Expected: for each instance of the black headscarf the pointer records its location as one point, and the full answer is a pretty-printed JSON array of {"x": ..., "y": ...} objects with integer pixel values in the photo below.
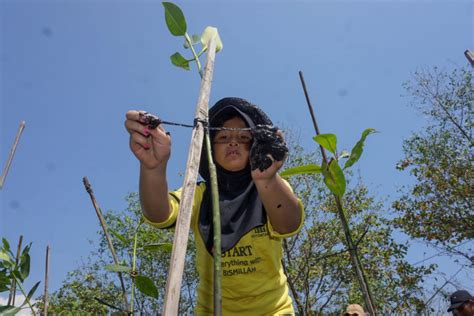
[{"x": 240, "y": 206}]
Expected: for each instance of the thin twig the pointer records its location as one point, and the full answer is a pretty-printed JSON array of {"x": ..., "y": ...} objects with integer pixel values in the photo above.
[
  {"x": 88, "y": 187},
  {"x": 12, "y": 153}
]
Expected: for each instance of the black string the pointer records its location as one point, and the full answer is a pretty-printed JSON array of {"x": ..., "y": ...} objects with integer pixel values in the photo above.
[
  {"x": 213, "y": 128},
  {"x": 153, "y": 121}
]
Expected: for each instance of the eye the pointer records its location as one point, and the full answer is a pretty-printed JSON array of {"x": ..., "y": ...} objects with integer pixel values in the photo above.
[
  {"x": 221, "y": 137},
  {"x": 245, "y": 137}
]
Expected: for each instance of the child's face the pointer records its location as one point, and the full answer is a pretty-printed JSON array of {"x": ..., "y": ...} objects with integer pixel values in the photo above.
[{"x": 231, "y": 148}]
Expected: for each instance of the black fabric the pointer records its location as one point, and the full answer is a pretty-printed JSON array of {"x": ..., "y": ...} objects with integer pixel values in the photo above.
[{"x": 240, "y": 206}]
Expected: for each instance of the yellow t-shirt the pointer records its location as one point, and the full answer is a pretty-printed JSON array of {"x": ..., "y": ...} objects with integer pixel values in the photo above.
[{"x": 253, "y": 282}]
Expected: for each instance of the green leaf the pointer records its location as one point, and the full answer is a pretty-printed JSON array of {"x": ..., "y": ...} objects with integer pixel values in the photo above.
[
  {"x": 334, "y": 178},
  {"x": 178, "y": 60},
  {"x": 328, "y": 141},
  {"x": 210, "y": 32},
  {"x": 5, "y": 281},
  {"x": 5, "y": 257},
  {"x": 6, "y": 245},
  {"x": 194, "y": 40},
  {"x": 306, "y": 169},
  {"x": 174, "y": 19},
  {"x": 31, "y": 293},
  {"x": 118, "y": 236},
  {"x": 25, "y": 265},
  {"x": 146, "y": 286},
  {"x": 358, "y": 148},
  {"x": 117, "y": 268},
  {"x": 167, "y": 247},
  {"x": 9, "y": 310}
]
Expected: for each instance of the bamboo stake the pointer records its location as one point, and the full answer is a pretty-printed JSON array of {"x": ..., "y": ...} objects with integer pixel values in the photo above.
[
  {"x": 11, "y": 297},
  {"x": 364, "y": 285},
  {"x": 12, "y": 153},
  {"x": 46, "y": 272},
  {"x": 180, "y": 242},
  {"x": 88, "y": 187}
]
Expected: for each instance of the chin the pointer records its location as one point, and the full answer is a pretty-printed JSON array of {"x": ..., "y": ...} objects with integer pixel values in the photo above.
[{"x": 234, "y": 168}]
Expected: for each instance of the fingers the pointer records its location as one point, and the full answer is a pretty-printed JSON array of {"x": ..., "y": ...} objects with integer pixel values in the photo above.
[
  {"x": 281, "y": 135},
  {"x": 136, "y": 122},
  {"x": 133, "y": 126},
  {"x": 139, "y": 139}
]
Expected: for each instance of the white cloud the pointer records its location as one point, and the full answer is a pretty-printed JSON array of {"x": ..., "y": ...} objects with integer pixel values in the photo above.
[{"x": 19, "y": 299}]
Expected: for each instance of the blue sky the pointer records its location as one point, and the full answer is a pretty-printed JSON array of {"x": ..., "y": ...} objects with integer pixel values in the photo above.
[{"x": 71, "y": 70}]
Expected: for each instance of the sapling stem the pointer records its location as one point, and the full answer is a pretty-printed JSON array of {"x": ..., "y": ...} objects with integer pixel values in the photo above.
[
  {"x": 216, "y": 220},
  {"x": 196, "y": 56},
  {"x": 11, "y": 297},
  {"x": 134, "y": 264},
  {"x": 18, "y": 282},
  {"x": 88, "y": 187},
  {"x": 364, "y": 285}
]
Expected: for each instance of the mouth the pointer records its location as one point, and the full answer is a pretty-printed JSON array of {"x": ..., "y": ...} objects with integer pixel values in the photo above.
[{"x": 232, "y": 153}]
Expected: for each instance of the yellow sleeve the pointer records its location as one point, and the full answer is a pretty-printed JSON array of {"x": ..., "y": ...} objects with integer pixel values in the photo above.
[
  {"x": 175, "y": 198},
  {"x": 274, "y": 233}
]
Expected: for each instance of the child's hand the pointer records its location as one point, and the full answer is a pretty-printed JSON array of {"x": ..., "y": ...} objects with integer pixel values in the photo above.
[
  {"x": 268, "y": 146},
  {"x": 269, "y": 173},
  {"x": 151, "y": 146}
]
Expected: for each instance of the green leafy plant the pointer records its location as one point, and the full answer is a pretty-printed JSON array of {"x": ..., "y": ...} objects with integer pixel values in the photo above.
[
  {"x": 332, "y": 172},
  {"x": 177, "y": 26},
  {"x": 141, "y": 282},
  {"x": 15, "y": 271}
]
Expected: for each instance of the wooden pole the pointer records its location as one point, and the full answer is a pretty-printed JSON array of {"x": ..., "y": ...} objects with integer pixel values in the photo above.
[
  {"x": 470, "y": 56},
  {"x": 12, "y": 153},
  {"x": 180, "y": 242},
  {"x": 11, "y": 297},
  {"x": 46, "y": 272},
  {"x": 88, "y": 187},
  {"x": 364, "y": 285}
]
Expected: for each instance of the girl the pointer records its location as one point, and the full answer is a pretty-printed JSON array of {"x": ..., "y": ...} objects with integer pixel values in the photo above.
[{"x": 258, "y": 208}]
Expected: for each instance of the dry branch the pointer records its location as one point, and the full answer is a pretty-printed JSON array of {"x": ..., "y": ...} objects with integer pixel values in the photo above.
[
  {"x": 88, "y": 187},
  {"x": 12, "y": 153}
]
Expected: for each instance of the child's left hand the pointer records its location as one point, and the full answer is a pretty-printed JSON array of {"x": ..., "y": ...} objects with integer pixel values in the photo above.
[{"x": 268, "y": 173}]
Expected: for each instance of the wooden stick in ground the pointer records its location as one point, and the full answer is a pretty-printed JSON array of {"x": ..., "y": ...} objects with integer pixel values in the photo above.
[
  {"x": 11, "y": 297},
  {"x": 180, "y": 242},
  {"x": 46, "y": 275},
  {"x": 364, "y": 285},
  {"x": 12, "y": 153},
  {"x": 88, "y": 187}
]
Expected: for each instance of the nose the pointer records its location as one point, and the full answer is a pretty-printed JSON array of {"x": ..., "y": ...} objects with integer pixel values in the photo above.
[{"x": 234, "y": 141}]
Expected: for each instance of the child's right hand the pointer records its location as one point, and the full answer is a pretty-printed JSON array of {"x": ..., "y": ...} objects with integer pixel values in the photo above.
[{"x": 152, "y": 147}]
